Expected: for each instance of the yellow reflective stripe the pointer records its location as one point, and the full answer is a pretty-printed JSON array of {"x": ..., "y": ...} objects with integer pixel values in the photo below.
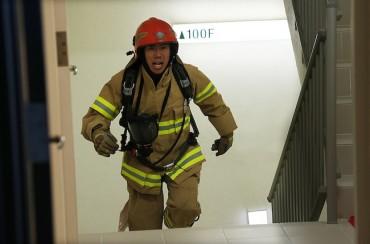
[
  {"x": 207, "y": 92},
  {"x": 167, "y": 220},
  {"x": 104, "y": 107},
  {"x": 191, "y": 158},
  {"x": 171, "y": 126},
  {"x": 141, "y": 177}
]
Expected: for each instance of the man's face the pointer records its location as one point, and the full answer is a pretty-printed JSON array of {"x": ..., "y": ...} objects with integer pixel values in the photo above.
[{"x": 157, "y": 57}]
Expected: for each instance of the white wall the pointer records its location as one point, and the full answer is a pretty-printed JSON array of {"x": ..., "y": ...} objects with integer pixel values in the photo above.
[{"x": 258, "y": 80}]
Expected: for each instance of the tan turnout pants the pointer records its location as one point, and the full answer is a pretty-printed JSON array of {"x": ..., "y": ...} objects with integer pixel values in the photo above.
[{"x": 145, "y": 211}]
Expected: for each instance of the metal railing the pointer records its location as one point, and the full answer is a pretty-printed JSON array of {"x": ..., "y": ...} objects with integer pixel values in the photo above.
[
  {"x": 310, "y": 17},
  {"x": 306, "y": 173}
]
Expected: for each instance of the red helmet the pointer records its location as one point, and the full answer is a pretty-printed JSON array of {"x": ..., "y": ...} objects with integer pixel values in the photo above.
[{"x": 153, "y": 31}]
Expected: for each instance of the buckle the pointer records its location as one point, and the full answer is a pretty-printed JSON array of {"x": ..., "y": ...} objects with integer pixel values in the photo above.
[
  {"x": 185, "y": 83},
  {"x": 128, "y": 90},
  {"x": 169, "y": 166}
]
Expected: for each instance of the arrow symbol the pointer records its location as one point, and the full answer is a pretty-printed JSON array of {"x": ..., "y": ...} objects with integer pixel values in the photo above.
[{"x": 182, "y": 35}]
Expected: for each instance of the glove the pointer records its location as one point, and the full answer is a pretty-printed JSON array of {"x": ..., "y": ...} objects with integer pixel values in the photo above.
[
  {"x": 104, "y": 143},
  {"x": 223, "y": 144}
]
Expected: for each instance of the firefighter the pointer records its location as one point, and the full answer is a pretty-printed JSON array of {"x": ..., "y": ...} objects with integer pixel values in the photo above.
[{"x": 162, "y": 147}]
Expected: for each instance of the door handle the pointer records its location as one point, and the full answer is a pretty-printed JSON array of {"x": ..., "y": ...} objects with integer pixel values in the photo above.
[
  {"x": 74, "y": 69},
  {"x": 59, "y": 140}
]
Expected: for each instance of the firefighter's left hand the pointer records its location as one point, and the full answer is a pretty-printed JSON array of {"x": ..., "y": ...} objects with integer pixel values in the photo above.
[{"x": 223, "y": 144}]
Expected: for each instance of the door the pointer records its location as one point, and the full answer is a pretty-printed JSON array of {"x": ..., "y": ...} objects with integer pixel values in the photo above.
[{"x": 62, "y": 168}]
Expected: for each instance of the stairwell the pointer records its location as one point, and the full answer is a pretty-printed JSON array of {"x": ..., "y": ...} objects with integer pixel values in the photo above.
[
  {"x": 345, "y": 114},
  {"x": 344, "y": 131}
]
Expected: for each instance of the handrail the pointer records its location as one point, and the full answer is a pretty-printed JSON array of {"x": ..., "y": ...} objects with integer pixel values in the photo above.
[
  {"x": 306, "y": 174},
  {"x": 320, "y": 37},
  {"x": 310, "y": 17}
]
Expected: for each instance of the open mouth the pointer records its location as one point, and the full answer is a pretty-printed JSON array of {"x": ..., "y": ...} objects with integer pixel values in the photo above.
[{"x": 158, "y": 65}]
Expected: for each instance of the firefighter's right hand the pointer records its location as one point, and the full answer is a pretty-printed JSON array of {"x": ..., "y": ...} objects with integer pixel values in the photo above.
[{"x": 104, "y": 143}]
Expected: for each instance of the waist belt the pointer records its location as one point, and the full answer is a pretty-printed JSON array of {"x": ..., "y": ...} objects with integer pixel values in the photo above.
[{"x": 191, "y": 141}]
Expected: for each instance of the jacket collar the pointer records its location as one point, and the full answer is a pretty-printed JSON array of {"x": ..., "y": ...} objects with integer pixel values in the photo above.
[{"x": 164, "y": 81}]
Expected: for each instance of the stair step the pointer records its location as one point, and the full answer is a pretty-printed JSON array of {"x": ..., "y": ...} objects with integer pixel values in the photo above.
[
  {"x": 346, "y": 181},
  {"x": 344, "y": 100},
  {"x": 345, "y": 139},
  {"x": 345, "y": 196}
]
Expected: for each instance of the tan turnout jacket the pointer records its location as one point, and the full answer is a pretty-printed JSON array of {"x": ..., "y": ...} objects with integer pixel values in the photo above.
[{"x": 107, "y": 107}]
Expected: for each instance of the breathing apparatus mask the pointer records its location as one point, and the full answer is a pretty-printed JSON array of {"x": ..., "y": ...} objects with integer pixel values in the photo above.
[{"x": 143, "y": 131}]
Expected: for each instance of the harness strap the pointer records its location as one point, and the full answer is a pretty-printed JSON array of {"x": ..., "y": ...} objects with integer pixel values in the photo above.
[
  {"x": 183, "y": 82},
  {"x": 128, "y": 85},
  {"x": 181, "y": 77},
  {"x": 191, "y": 141},
  {"x": 144, "y": 160}
]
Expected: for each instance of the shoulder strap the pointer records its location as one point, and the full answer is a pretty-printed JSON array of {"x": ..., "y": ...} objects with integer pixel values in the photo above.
[
  {"x": 128, "y": 86},
  {"x": 183, "y": 80}
]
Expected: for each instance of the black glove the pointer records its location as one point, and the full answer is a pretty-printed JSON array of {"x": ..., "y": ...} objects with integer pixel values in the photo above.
[
  {"x": 104, "y": 142},
  {"x": 223, "y": 144}
]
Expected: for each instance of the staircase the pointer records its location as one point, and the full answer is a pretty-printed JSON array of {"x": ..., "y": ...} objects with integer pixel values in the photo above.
[{"x": 318, "y": 155}]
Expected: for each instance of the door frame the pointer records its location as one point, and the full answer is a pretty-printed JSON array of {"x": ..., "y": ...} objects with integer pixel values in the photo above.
[{"x": 59, "y": 116}]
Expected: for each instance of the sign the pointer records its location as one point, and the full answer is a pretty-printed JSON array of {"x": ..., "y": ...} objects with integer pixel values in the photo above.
[{"x": 232, "y": 31}]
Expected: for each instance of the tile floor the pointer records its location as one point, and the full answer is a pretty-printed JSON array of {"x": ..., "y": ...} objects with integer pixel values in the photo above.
[{"x": 285, "y": 233}]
